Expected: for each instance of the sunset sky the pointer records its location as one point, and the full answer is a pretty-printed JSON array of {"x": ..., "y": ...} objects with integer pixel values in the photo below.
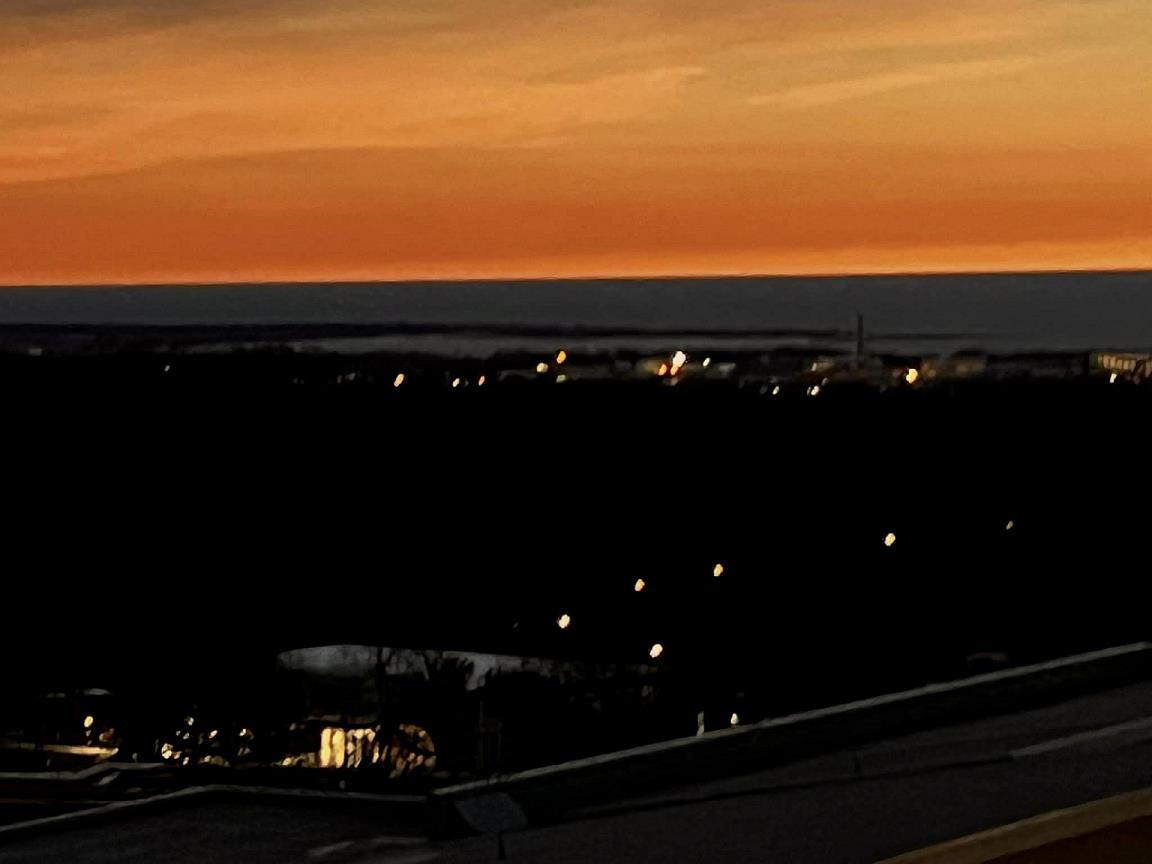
[{"x": 216, "y": 140}]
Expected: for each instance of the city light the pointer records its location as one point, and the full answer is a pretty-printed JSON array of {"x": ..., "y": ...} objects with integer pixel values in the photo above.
[
  {"x": 734, "y": 720},
  {"x": 481, "y": 380},
  {"x": 663, "y": 370},
  {"x": 814, "y": 390},
  {"x": 639, "y": 586},
  {"x": 707, "y": 362},
  {"x": 1011, "y": 524},
  {"x": 912, "y": 376},
  {"x": 656, "y": 650},
  {"x": 455, "y": 382},
  {"x": 890, "y": 539},
  {"x": 88, "y": 721},
  {"x": 678, "y": 360},
  {"x": 189, "y": 720},
  {"x": 776, "y": 390},
  {"x": 560, "y": 379},
  {"x": 541, "y": 368},
  {"x": 564, "y": 621},
  {"x": 561, "y": 356},
  {"x": 1113, "y": 378},
  {"x": 333, "y": 748},
  {"x": 398, "y": 380},
  {"x": 718, "y": 571}
]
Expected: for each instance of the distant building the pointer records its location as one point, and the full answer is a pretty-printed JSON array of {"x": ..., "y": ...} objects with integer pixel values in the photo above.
[
  {"x": 1135, "y": 366},
  {"x": 953, "y": 366}
]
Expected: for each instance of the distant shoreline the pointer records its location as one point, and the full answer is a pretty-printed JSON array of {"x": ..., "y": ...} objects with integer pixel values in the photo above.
[{"x": 595, "y": 278}]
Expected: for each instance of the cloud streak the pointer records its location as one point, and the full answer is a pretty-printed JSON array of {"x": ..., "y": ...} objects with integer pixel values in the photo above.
[{"x": 925, "y": 75}]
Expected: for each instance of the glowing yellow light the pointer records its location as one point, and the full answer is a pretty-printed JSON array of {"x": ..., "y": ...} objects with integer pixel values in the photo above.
[
  {"x": 188, "y": 721},
  {"x": 674, "y": 371},
  {"x": 776, "y": 390},
  {"x": 912, "y": 376},
  {"x": 663, "y": 370},
  {"x": 679, "y": 359},
  {"x": 718, "y": 571},
  {"x": 814, "y": 390},
  {"x": 561, "y": 356},
  {"x": 707, "y": 362},
  {"x": 213, "y": 734},
  {"x": 88, "y": 721},
  {"x": 656, "y": 650},
  {"x": 480, "y": 382},
  {"x": 734, "y": 720},
  {"x": 1010, "y": 525},
  {"x": 541, "y": 368},
  {"x": 639, "y": 586},
  {"x": 398, "y": 380},
  {"x": 166, "y": 751},
  {"x": 455, "y": 382},
  {"x": 1112, "y": 378},
  {"x": 564, "y": 621},
  {"x": 890, "y": 539}
]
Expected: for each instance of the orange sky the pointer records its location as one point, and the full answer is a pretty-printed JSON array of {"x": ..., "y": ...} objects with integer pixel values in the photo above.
[{"x": 186, "y": 140}]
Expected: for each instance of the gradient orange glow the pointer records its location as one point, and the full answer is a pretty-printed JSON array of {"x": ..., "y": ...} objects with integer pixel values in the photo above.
[{"x": 203, "y": 140}]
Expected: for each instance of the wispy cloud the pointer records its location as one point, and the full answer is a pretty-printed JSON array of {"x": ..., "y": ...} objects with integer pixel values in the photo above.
[{"x": 848, "y": 89}]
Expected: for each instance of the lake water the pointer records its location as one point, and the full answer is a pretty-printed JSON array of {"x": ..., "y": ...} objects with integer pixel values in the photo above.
[{"x": 1025, "y": 311}]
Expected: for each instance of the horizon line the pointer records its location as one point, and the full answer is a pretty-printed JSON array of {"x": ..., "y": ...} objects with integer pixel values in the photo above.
[{"x": 666, "y": 277}]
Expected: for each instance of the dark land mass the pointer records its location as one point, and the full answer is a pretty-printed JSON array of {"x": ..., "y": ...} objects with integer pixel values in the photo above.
[{"x": 167, "y": 533}]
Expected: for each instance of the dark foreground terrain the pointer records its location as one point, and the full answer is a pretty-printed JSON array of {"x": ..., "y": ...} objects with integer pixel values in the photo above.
[{"x": 168, "y": 538}]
